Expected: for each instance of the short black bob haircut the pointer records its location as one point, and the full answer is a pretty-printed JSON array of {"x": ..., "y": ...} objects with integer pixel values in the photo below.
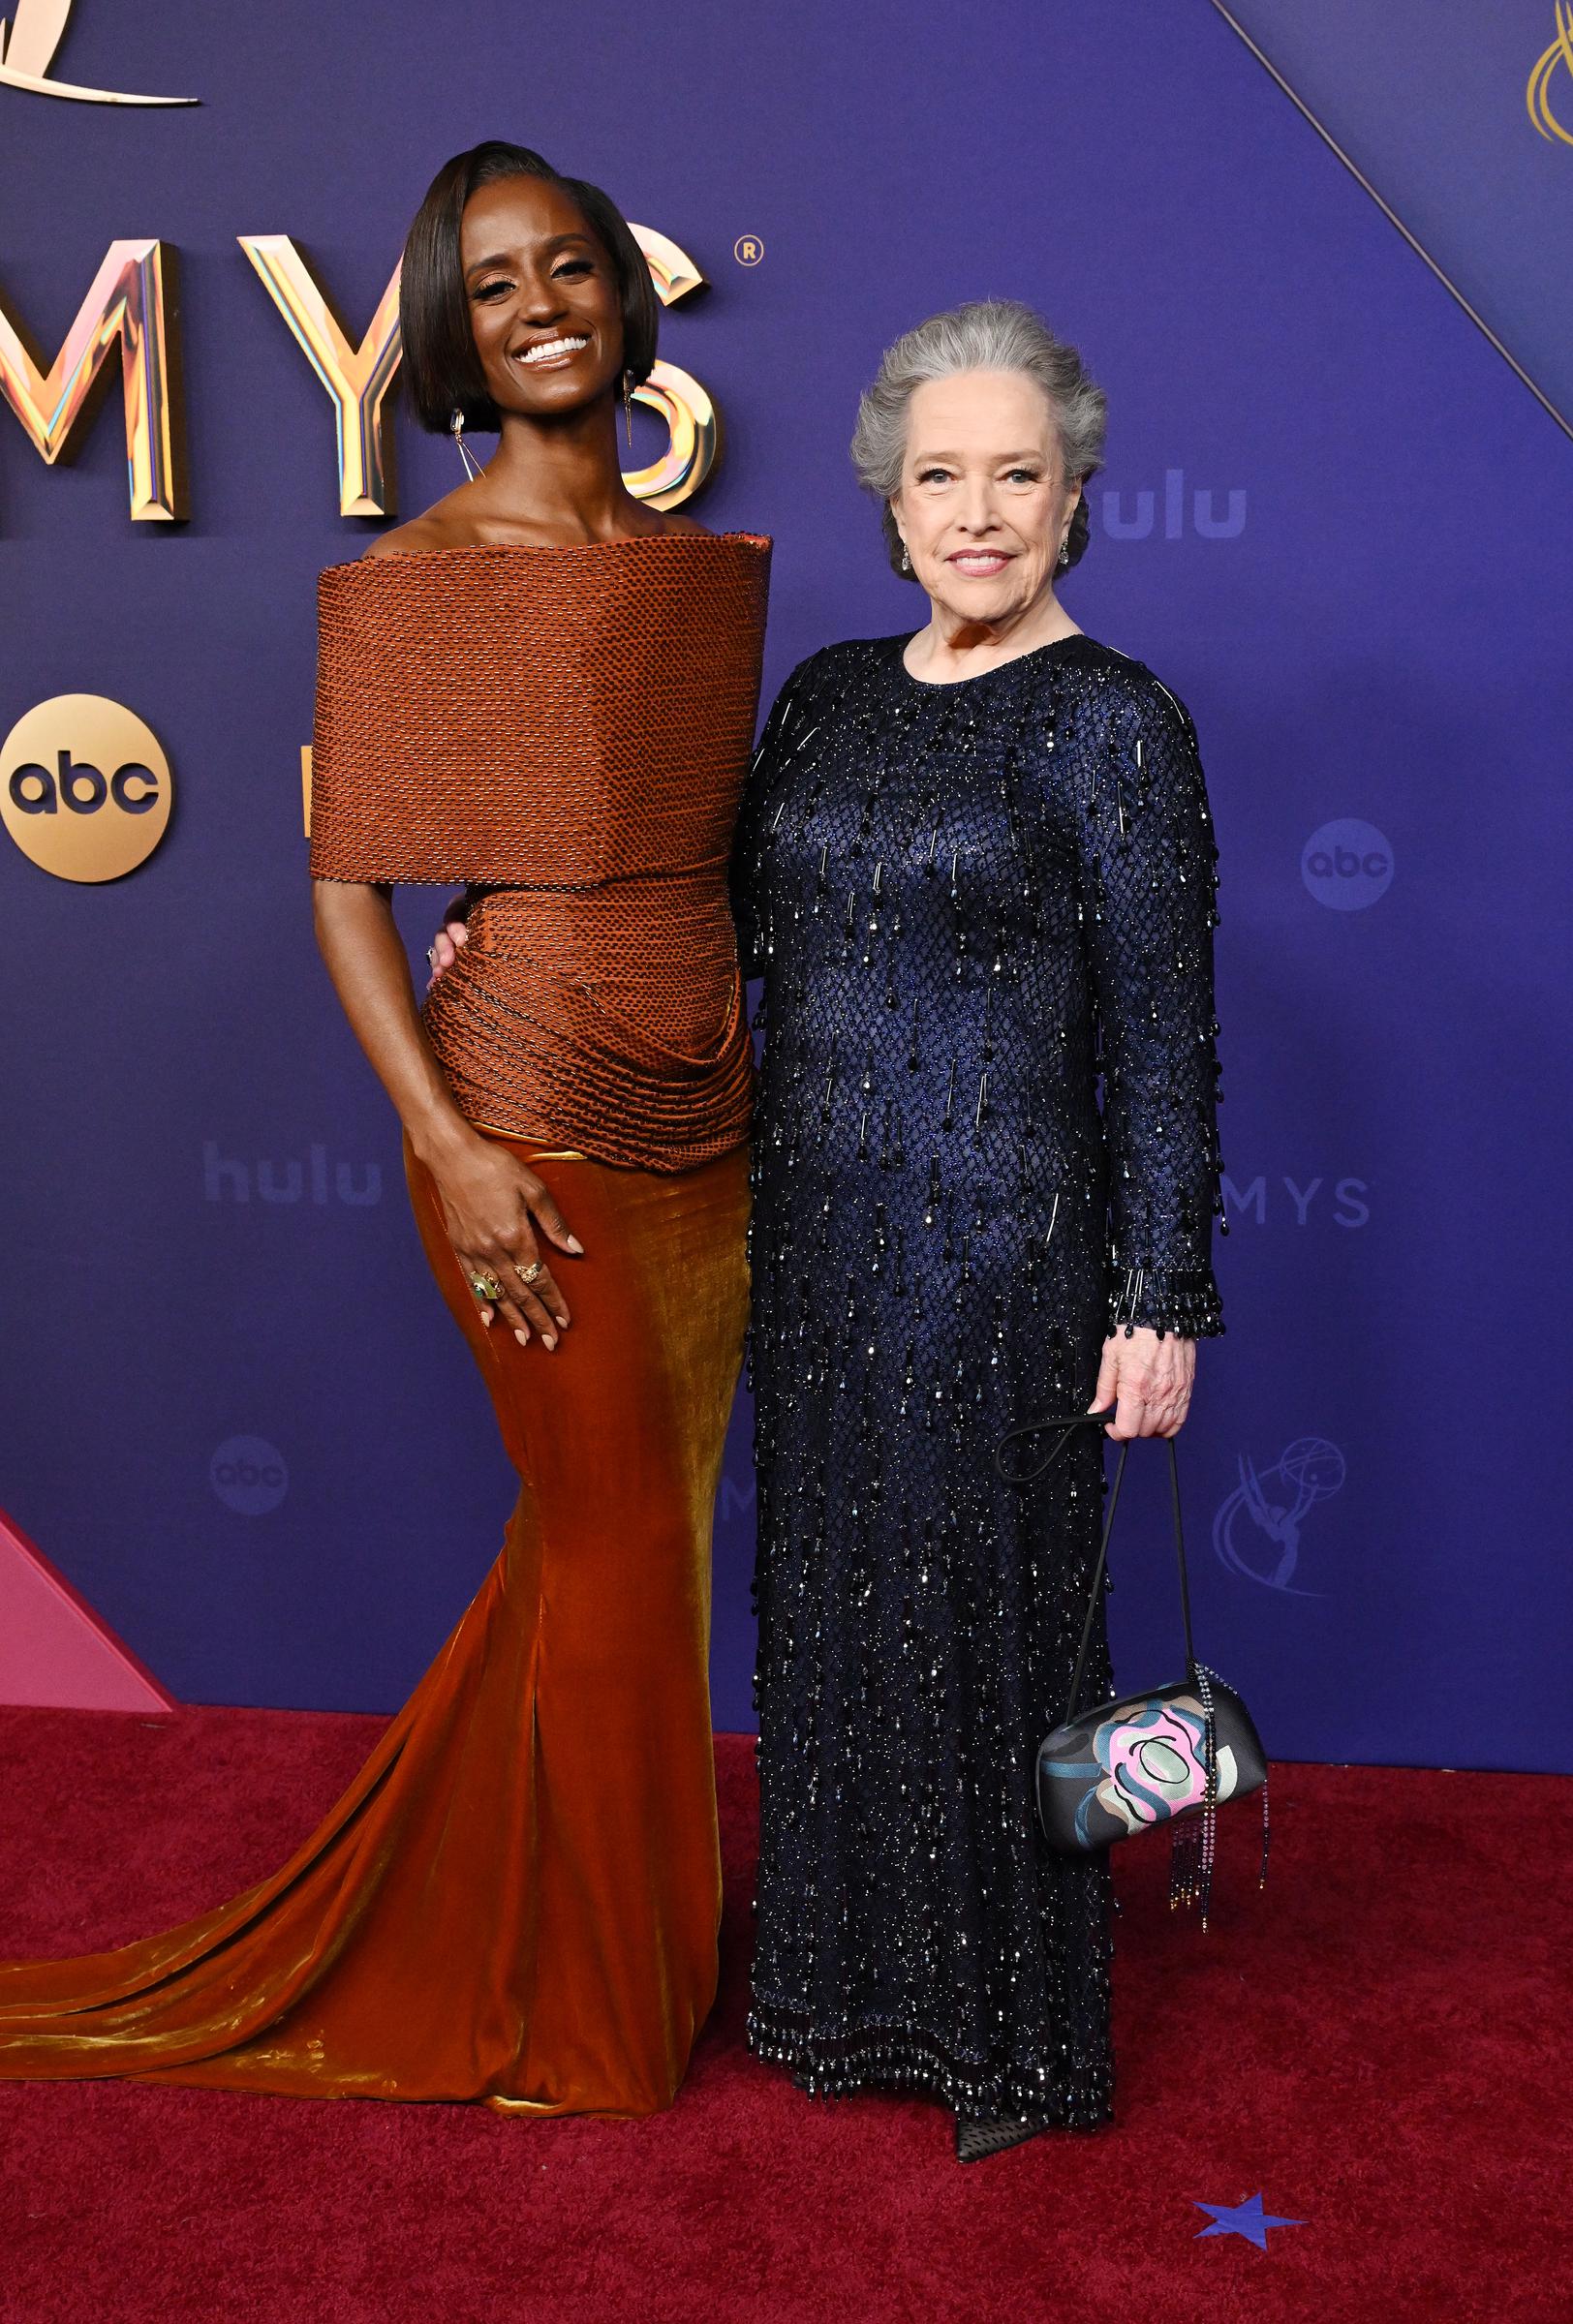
[{"x": 441, "y": 367}]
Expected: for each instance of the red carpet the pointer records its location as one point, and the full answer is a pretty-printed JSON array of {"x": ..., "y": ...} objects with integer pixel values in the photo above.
[{"x": 1377, "y": 2045}]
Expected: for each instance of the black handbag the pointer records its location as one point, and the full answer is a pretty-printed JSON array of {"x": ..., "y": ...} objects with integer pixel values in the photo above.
[{"x": 1171, "y": 1755}]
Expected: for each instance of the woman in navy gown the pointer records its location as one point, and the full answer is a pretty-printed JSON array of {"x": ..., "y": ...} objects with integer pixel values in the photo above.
[{"x": 975, "y": 871}]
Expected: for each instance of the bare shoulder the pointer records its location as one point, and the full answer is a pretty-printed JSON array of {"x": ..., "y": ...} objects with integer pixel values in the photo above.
[
  {"x": 417, "y": 538},
  {"x": 405, "y": 541},
  {"x": 448, "y": 524}
]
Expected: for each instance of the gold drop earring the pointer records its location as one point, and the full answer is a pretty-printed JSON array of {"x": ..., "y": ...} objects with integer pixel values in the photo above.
[{"x": 456, "y": 428}]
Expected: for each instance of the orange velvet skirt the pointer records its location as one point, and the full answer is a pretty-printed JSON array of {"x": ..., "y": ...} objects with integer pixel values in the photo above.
[{"x": 518, "y": 1898}]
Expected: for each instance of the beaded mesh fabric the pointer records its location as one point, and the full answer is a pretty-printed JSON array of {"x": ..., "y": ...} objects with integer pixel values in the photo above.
[
  {"x": 568, "y": 730},
  {"x": 969, "y": 903}
]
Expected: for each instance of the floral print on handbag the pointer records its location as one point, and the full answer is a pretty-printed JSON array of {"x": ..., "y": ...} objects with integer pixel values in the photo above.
[{"x": 1169, "y": 1756}]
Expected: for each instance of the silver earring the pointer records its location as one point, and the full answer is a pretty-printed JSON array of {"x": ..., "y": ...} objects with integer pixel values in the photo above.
[
  {"x": 1064, "y": 557},
  {"x": 456, "y": 429},
  {"x": 628, "y": 407},
  {"x": 905, "y": 560}
]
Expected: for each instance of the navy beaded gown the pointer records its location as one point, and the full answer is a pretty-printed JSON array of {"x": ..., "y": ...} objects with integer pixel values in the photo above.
[{"x": 978, "y": 909}]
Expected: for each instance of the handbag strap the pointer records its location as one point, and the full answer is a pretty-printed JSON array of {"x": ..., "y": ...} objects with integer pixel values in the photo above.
[{"x": 1081, "y": 1420}]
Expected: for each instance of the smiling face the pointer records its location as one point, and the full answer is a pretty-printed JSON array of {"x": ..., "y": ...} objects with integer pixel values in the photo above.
[
  {"x": 984, "y": 502},
  {"x": 544, "y": 306}
]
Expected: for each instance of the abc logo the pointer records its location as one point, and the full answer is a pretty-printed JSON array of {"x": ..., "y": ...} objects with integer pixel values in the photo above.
[
  {"x": 249, "y": 1475},
  {"x": 1347, "y": 864},
  {"x": 84, "y": 787}
]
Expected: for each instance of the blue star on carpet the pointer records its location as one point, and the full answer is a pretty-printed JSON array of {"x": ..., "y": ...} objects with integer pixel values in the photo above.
[{"x": 1243, "y": 2218}]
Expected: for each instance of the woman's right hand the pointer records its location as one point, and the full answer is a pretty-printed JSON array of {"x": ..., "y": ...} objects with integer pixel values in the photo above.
[
  {"x": 496, "y": 1210},
  {"x": 446, "y": 945}
]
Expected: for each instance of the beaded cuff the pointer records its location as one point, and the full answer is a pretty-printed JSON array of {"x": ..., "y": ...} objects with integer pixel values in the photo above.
[{"x": 1183, "y": 1300}]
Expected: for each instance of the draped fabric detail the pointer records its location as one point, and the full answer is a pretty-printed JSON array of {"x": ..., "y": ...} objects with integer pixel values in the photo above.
[{"x": 560, "y": 1019}]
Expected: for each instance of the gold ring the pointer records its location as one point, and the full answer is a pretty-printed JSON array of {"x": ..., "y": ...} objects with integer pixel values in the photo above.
[
  {"x": 528, "y": 1274},
  {"x": 486, "y": 1287}
]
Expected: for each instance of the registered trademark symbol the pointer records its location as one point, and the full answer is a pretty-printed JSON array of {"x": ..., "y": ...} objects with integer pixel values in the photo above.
[{"x": 748, "y": 250}]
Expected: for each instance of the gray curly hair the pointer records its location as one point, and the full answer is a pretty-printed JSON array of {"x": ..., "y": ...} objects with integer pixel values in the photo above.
[{"x": 986, "y": 334}]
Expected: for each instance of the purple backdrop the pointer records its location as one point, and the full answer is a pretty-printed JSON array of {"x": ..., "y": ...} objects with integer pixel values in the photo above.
[{"x": 1332, "y": 520}]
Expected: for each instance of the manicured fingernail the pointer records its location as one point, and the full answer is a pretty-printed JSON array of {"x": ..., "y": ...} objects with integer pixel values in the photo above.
[
  {"x": 550, "y": 1342},
  {"x": 523, "y": 1339},
  {"x": 575, "y": 1245}
]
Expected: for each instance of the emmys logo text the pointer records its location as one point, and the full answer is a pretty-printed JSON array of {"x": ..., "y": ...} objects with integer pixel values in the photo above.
[
  {"x": 1334, "y": 1202},
  {"x": 84, "y": 787},
  {"x": 130, "y": 308}
]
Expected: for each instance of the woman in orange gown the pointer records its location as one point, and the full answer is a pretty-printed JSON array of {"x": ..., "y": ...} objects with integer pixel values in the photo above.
[{"x": 544, "y": 688}]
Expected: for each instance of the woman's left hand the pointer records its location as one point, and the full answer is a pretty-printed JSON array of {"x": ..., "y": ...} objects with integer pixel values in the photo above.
[{"x": 1149, "y": 1379}]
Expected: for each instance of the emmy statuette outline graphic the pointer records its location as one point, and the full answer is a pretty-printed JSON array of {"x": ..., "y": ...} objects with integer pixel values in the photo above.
[
  {"x": 28, "y": 41},
  {"x": 1309, "y": 1470}
]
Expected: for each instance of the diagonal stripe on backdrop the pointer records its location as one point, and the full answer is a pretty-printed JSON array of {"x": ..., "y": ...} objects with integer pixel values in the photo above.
[{"x": 1415, "y": 244}]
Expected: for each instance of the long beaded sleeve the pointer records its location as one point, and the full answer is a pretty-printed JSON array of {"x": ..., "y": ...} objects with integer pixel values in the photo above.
[
  {"x": 1147, "y": 859},
  {"x": 782, "y": 734}
]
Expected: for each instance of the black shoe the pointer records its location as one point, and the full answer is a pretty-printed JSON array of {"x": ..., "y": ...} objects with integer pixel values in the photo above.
[{"x": 979, "y": 2135}]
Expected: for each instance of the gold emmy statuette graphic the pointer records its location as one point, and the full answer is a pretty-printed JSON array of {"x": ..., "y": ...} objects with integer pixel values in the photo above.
[
  {"x": 85, "y": 788},
  {"x": 27, "y": 47},
  {"x": 127, "y": 303},
  {"x": 1553, "y": 75}
]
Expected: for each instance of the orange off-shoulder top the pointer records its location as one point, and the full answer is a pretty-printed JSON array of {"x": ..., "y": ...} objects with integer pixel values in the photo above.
[{"x": 568, "y": 730}]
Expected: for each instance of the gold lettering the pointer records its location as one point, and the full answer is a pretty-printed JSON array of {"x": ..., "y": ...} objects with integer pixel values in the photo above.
[
  {"x": 357, "y": 377},
  {"x": 671, "y": 269},
  {"x": 693, "y": 422},
  {"x": 695, "y": 438},
  {"x": 125, "y": 306}
]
